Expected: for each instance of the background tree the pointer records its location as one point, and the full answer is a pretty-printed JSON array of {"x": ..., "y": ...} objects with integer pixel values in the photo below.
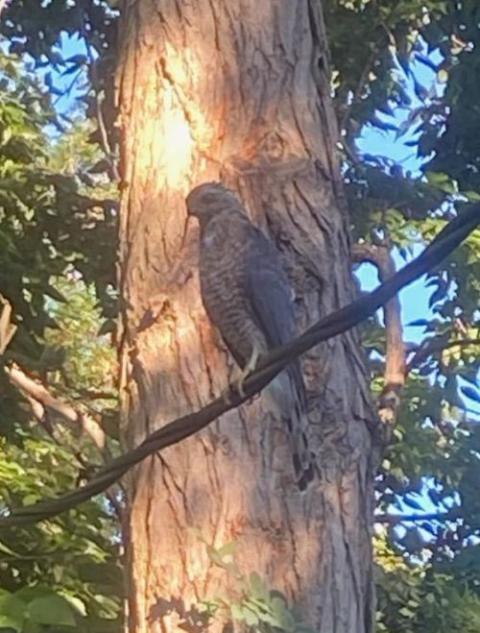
[{"x": 423, "y": 563}]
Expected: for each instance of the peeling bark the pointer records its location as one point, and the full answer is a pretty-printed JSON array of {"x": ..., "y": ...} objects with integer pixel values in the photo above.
[{"x": 236, "y": 91}]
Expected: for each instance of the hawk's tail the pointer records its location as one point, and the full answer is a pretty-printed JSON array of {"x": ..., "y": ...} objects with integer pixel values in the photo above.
[{"x": 294, "y": 410}]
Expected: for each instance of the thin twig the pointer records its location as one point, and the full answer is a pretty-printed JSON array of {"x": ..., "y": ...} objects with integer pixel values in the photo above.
[
  {"x": 7, "y": 328},
  {"x": 3, "y": 5},
  {"x": 107, "y": 150},
  {"x": 450, "y": 515},
  {"x": 359, "y": 88},
  {"x": 435, "y": 345}
]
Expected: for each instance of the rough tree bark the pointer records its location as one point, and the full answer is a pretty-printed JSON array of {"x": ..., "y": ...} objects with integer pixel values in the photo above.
[{"x": 238, "y": 91}]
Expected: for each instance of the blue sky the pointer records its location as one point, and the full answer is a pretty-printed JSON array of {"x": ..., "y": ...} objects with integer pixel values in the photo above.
[{"x": 414, "y": 299}]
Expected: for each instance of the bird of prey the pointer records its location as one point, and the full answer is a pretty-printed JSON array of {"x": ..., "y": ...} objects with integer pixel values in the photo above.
[{"x": 248, "y": 299}]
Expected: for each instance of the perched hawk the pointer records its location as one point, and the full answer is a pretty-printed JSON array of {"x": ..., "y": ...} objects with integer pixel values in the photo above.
[{"x": 248, "y": 299}]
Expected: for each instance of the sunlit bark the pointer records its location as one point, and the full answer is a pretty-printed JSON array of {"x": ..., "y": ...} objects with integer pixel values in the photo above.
[{"x": 238, "y": 91}]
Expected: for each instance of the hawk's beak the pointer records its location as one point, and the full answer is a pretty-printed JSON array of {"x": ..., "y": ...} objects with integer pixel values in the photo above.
[{"x": 185, "y": 231}]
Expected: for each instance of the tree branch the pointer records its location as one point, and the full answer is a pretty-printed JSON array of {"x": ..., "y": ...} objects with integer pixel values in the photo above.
[
  {"x": 437, "y": 344},
  {"x": 39, "y": 397},
  {"x": 332, "y": 325},
  {"x": 37, "y": 392},
  {"x": 107, "y": 150},
  {"x": 394, "y": 373},
  {"x": 357, "y": 93},
  {"x": 7, "y": 329},
  {"x": 41, "y": 401},
  {"x": 3, "y": 4},
  {"x": 450, "y": 515}
]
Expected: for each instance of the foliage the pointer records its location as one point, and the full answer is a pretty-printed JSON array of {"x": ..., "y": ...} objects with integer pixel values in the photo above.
[
  {"x": 78, "y": 556},
  {"x": 57, "y": 237},
  {"x": 246, "y": 602},
  {"x": 37, "y": 609},
  {"x": 50, "y": 219},
  {"x": 32, "y": 610},
  {"x": 57, "y": 223},
  {"x": 88, "y": 369},
  {"x": 260, "y": 608},
  {"x": 415, "y": 598},
  {"x": 249, "y": 601}
]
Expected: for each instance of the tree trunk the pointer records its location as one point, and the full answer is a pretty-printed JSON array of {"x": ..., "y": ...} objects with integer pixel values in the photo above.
[{"x": 237, "y": 91}]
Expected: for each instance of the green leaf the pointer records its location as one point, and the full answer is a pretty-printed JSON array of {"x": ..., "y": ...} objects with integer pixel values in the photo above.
[
  {"x": 236, "y": 611},
  {"x": 52, "y": 610},
  {"x": 227, "y": 550},
  {"x": 257, "y": 587},
  {"x": 249, "y": 616},
  {"x": 12, "y": 612},
  {"x": 52, "y": 292},
  {"x": 437, "y": 178},
  {"x": 107, "y": 327},
  {"x": 7, "y": 550},
  {"x": 470, "y": 392}
]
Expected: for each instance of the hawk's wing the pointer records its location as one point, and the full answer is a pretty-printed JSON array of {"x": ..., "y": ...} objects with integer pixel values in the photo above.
[
  {"x": 269, "y": 291},
  {"x": 270, "y": 297}
]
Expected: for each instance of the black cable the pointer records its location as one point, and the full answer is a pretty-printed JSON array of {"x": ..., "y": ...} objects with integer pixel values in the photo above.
[{"x": 332, "y": 325}]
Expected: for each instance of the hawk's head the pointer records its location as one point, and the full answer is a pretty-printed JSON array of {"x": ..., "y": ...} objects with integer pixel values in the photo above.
[{"x": 209, "y": 199}]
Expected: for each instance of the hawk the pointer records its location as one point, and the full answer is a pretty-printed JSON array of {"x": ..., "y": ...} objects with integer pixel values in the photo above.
[{"x": 248, "y": 299}]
